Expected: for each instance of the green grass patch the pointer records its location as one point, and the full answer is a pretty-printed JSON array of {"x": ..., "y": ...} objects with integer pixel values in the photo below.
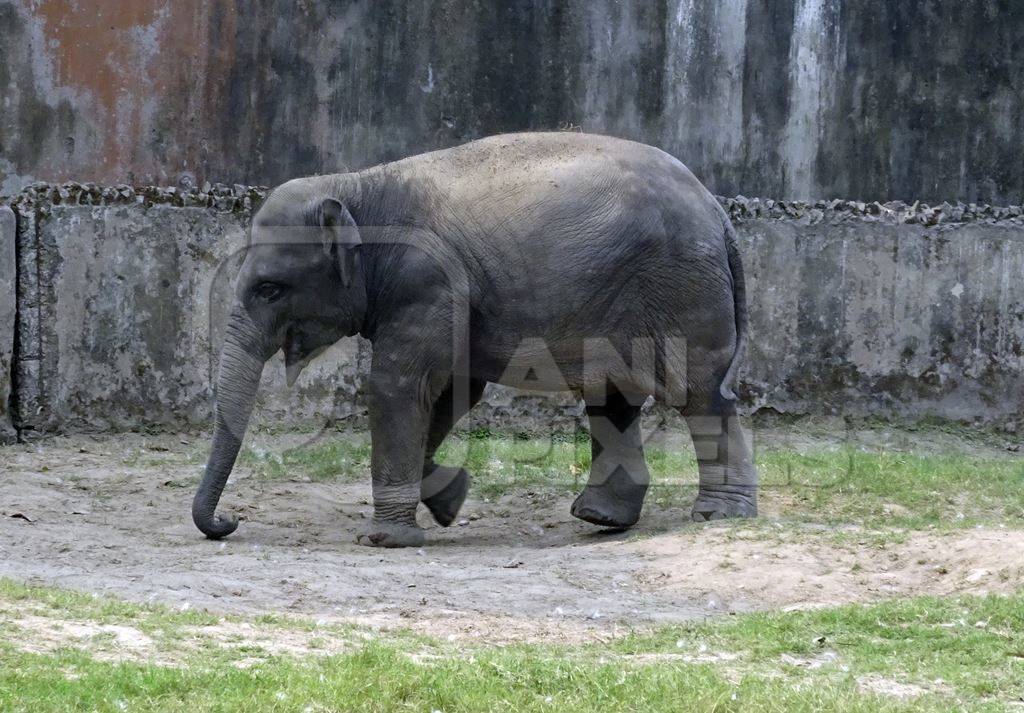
[
  {"x": 897, "y": 489},
  {"x": 336, "y": 458},
  {"x": 58, "y": 603},
  {"x": 847, "y": 484},
  {"x": 938, "y": 654}
]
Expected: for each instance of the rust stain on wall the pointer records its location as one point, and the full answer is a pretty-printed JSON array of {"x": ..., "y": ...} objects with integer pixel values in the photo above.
[
  {"x": 94, "y": 46},
  {"x": 128, "y": 57}
]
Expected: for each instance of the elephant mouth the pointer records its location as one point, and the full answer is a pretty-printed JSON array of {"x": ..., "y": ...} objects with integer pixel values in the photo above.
[{"x": 297, "y": 356}]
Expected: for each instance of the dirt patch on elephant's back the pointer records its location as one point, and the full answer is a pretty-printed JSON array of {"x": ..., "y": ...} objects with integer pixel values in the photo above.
[{"x": 110, "y": 515}]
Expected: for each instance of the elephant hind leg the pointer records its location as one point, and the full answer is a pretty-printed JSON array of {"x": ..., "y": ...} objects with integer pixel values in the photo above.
[
  {"x": 614, "y": 494},
  {"x": 725, "y": 464},
  {"x": 444, "y": 487}
]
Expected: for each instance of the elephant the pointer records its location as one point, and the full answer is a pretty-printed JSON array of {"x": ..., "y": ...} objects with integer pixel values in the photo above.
[{"x": 542, "y": 260}]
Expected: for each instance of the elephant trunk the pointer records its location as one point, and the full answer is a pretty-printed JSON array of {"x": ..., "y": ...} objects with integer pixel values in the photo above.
[{"x": 241, "y": 364}]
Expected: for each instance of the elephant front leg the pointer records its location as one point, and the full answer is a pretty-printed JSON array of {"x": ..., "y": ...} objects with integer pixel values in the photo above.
[
  {"x": 444, "y": 487},
  {"x": 399, "y": 423},
  {"x": 614, "y": 494}
]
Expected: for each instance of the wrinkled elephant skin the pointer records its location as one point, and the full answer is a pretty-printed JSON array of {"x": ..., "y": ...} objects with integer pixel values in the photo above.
[{"x": 557, "y": 261}]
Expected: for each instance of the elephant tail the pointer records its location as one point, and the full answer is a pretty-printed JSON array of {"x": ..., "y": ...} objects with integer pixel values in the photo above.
[{"x": 739, "y": 294}]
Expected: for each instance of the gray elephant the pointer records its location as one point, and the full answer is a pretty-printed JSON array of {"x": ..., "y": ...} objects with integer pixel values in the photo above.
[{"x": 558, "y": 261}]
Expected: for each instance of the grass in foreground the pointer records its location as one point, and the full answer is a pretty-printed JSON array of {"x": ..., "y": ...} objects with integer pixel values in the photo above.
[
  {"x": 846, "y": 484},
  {"x": 919, "y": 654}
]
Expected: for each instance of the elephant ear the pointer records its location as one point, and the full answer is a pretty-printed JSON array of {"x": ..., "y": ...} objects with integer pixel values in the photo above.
[{"x": 340, "y": 237}]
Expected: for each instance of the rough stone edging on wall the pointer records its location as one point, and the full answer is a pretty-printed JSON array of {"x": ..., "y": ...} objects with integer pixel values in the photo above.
[
  {"x": 896, "y": 212},
  {"x": 240, "y": 198},
  {"x": 218, "y": 196}
]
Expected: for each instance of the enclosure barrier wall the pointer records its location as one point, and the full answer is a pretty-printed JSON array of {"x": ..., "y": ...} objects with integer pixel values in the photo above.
[{"x": 895, "y": 310}]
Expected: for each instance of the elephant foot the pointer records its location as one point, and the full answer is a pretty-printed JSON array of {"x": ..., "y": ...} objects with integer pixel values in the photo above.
[
  {"x": 380, "y": 533},
  {"x": 612, "y": 504},
  {"x": 445, "y": 504},
  {"x": 721, "y": 504}
]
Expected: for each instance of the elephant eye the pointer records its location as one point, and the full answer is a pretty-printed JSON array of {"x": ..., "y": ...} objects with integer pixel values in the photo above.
[{"x": 268, "y": 291}]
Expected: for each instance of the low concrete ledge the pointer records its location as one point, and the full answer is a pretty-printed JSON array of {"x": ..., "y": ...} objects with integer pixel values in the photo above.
[{"x": 896, "y": 310}]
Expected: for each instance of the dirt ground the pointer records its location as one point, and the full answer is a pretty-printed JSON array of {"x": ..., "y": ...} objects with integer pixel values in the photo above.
[{"x": 87, "y": 513}]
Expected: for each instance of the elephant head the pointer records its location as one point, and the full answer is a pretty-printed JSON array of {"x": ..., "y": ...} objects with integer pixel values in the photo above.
[{"x": 300, "y": 288}]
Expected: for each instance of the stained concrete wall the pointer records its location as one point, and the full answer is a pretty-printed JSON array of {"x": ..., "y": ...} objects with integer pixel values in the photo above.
[
  {"x": 893, "y": 310},
  {"x": 886, "y": 319},
  {"x": 125, "y": 301},
  {"x": 789, "y": 98}
]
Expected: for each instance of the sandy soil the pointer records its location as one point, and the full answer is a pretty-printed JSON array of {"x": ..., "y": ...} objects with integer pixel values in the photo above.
[{"x": 88, "y": 513}]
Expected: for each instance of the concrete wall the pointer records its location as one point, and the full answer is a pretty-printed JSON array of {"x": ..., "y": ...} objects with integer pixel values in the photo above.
[
  {"x": 124, "y": 304},
  {"x": 884, "y": 318},
  {"x": 894, "y": 310},
  {"x": 790, "y": 98}
]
